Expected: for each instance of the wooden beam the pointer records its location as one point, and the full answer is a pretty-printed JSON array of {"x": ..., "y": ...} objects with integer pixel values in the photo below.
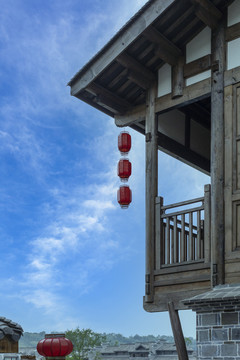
[
  {"x": 217, "y": 154},
  {"x": 132, "y": 64},
  {"x": 178, "y": 82},
  {"x": 137, "y": 114},
  {"x": 199, "y": 114},
  {"x": 178, "y": 150},
  {"x": 197, "y": 66},
  {"x": 92, "y": 102},
  {"x": 207, "y": 12},
  {"x": 177, "y": 332},
  {"x": 104, "y": 96},
  {"x": 232, "y": 32},
  {"x": 191, "y": 94},
  {"x": 151, "y": 188},
  {"x": 117, "y": 45},
  {"x": 164, "y": 48},
  {"x": 137, "y": 72}
]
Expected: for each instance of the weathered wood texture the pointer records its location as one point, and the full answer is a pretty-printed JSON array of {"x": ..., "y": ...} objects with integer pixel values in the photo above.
[
  {"x": 112, "y": 51},
  {"x": 232, "y": 183},
  {"x": 190, "y": 94},
  {"x": 178, "y": 81},
  {"x": 181, "y": 253},
  {"x": 207, "y": 12},
  {"x": 177, "y": 332},
  {"x": 151, "y": 187},
  {"x": 233, "y": 32},
  {"x": 217, "y": 153},
  {"x": 8, "y": 346}
]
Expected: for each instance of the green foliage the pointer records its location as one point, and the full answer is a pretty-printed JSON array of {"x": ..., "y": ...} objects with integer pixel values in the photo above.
[
  {"x": 83, "y": 340},
  {"x": 188, "y": 341}
]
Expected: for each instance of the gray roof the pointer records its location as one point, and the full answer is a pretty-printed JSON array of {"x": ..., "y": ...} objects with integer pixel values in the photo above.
[
  {"x": 10, "y": 329},
  {"x": 220, "y": 294}
]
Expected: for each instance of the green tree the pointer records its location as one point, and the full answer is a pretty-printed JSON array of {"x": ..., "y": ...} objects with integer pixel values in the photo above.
[{"x": 83, "y": 341}]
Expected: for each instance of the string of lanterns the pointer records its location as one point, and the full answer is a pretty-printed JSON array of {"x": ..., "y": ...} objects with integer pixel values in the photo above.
[{"x": 124, "y": 194}]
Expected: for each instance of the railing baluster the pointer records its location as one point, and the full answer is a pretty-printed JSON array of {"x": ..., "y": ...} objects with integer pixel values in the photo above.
[
  {"x": 172, "y": 245},
  {"x": 182, "y": 239},
  {"x": 168, "y": 241},
  {"x": 190, "y": 239},
  {"x": 198, "y": 235},
  {"x": 182, "y": 236},
  {"x": 175, "y": 239}
]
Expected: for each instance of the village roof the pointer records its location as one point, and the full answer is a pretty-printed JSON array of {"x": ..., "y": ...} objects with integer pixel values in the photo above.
[
  {"x": 115, "y": 80},
  {"x": 10, "y": 329},
  {"x": 138, "y": 348}
]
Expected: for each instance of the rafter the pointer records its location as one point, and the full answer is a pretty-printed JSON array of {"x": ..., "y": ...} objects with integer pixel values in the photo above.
[
  {"x": 164, "y": 48},
  {"x": 137, "y": 72},
  {"x": 105, "y": 97},
  {"x": 207, "y": 12}
]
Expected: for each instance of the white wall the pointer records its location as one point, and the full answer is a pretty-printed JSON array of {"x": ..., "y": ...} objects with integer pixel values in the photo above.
[
  {"x": 233, "y": 47},
  {"x": 234, "y": 13},
  {"x": 164, "y": 80},
  {"x": 195, "y": 49}
]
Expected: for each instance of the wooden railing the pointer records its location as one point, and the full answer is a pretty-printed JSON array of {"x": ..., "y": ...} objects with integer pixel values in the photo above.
[{"x": 183, "y": 231}]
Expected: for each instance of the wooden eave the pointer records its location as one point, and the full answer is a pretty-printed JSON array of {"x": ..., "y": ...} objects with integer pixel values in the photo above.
[{"x": 116, "y": 79}]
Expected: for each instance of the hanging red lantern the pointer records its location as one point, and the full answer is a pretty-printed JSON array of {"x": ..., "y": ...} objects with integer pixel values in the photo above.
[
  {"x": 55, "y": 345},
  {"x": 124, "y": 169},
  {"x": 124, "y": 142},
  {"x": 124, "y": 196}
]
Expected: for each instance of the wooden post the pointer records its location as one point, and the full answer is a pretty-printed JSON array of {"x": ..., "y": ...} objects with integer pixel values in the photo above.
[
  {"x": 207, "y": 223},
  {"x": 151, "y": 187},
  {"x": 177, "y": 332},
  {"x": 178, "y": 78},
  {"x": 159, "y": 234},
  {"x": 217, "y": 153}
]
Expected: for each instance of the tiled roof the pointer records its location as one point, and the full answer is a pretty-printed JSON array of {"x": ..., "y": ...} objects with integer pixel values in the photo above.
[
  {"x": 220, "y": 294},
  {"x": 10, "y": 329}
]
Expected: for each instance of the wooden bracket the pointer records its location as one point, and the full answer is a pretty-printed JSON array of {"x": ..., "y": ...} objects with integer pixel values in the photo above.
[
  {"x": 177, "y": 332},
  {"x": 148, "y": 137}
]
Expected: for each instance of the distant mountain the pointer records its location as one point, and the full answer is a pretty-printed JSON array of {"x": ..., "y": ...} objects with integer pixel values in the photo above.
[{"x": 31, "y": 339}]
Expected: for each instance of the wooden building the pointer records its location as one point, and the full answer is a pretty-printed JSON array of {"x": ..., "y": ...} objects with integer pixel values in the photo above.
[
  {"x": 10, "y": 333},
  {"x": 172, "y": 73},
  {"x": 160, "y": 350}
]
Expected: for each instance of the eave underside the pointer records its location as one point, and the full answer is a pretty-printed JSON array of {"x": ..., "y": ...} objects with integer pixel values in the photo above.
[{"x": 118, "y": 84}]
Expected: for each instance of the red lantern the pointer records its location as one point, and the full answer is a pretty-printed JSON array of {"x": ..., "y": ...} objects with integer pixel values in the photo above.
[
  {"x": 55, "y": 345},
  {"x": 124, "y": 169},
  {"x": 124, "y": 196},
  {"x": 124, "y": 142}
]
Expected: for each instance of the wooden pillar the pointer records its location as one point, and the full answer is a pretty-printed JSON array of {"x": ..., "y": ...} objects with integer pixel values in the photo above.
[
  {"x": 217, "y": 153},
  {"x": 177, "y": 332},
  {"x": 151, "y": 187}
]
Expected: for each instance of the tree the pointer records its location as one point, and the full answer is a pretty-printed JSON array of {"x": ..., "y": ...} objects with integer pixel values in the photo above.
[{"x": 83, "y": 341}]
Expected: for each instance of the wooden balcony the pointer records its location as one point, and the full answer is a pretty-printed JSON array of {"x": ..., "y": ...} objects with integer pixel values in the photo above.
[{"x": 181, "y": 252}]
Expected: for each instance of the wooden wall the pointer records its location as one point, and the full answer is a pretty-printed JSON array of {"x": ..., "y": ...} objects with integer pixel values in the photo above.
[
  {"x": 232, "y": 183},
  {"x": 8, "y": 346}
]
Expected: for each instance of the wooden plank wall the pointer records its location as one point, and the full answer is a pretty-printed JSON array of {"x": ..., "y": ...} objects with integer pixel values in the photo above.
[
  {"x": 232, "y": 183},
  {"x": 8, "y": 346}
]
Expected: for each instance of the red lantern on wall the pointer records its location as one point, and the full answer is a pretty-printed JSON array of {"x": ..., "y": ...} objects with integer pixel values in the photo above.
[
  {"x": 124, "y": 142},
  {"x": 54, "y": 345},
  {"x": 124, "y": 169},
  {"x": 124, "y": 196}
]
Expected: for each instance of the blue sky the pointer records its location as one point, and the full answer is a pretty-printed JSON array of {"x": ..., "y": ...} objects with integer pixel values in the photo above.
[{"x": 69, "y": 255}]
